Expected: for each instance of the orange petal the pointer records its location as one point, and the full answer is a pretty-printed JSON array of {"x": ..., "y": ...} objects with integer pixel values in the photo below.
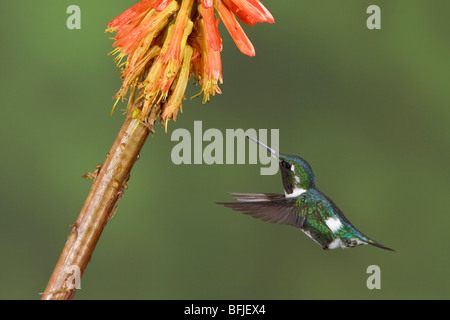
[
  {"x": 206, "y": 64},
  {"x": 160, "y": 5},
  {"x": 235, "y": 30},
  {"x": 207, "y": 3},
  {"x": 211, "y": 30},
  {"x": 173, "y": 52},
  {"x": 131, "y": 13},
  {"x": 172, "y": 68},
  {"x": 128, "y": 43},
  {"x": 214, "y": 75},
  {"x": 175, "y": 99},
  {"x": 246, "y": 11},
  {"x": 267, "y": 14},
  {"x": 149, "y": 27}
]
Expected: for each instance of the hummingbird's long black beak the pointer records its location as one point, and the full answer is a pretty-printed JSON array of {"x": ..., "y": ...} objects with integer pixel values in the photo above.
[{"x": 272, "y": 152}]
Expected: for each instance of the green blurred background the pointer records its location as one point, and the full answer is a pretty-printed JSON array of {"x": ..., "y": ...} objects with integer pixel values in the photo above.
[{"x": 370, "y": 111}]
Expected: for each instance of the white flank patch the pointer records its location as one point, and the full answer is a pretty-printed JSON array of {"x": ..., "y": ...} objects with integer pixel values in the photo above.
[
  {"x": 334, "y": 224},
  {"x": 297, "y": 179},
  {"x": 295, "y": 193},
  {"x": 336, "y": 243}
]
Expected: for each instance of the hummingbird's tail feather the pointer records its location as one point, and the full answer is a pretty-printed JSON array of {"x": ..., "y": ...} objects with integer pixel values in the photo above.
[
  {"x": 268, "y": 207},
  {"x": 379, "y": 245},
  {"x": 356, "y": 237}
]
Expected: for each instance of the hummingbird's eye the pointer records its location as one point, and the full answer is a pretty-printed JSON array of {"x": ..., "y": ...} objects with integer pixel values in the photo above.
[{"x": 286, "y": 165}]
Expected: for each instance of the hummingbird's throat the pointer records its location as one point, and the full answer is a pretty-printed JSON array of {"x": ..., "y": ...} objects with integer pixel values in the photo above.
[
  {"x": 291, "y": 182},
  {"x": 295, "y": 192}
]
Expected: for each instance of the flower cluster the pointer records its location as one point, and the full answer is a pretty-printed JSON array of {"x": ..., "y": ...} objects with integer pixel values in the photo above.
[{"x": 165, "y": 42}]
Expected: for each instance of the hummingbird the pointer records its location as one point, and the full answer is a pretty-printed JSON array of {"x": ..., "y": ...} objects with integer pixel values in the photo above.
[{"x": 302, "y": 205}]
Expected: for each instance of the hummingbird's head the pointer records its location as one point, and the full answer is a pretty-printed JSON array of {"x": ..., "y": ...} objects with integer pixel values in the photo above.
[{"x": 296, "y": 173}]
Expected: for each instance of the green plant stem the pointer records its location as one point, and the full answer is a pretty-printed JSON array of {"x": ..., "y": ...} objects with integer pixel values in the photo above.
[{"x": 100, "y": 205}]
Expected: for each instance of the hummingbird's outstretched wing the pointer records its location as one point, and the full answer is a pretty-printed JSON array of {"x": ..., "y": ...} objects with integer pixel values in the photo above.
[{"x": 269, "y": 207}]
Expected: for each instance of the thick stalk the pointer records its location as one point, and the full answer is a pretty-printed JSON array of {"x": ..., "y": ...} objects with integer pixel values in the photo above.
[{"x": 106, "y": 191}]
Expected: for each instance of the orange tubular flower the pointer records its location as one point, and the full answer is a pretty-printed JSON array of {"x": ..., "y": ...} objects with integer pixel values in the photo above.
[
  {"x": 207, "y": 65},
  {"x": 166, "y": 42}
]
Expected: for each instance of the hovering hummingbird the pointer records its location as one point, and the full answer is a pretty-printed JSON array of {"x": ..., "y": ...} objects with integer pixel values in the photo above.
[{"x": 303, "y": 206}]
